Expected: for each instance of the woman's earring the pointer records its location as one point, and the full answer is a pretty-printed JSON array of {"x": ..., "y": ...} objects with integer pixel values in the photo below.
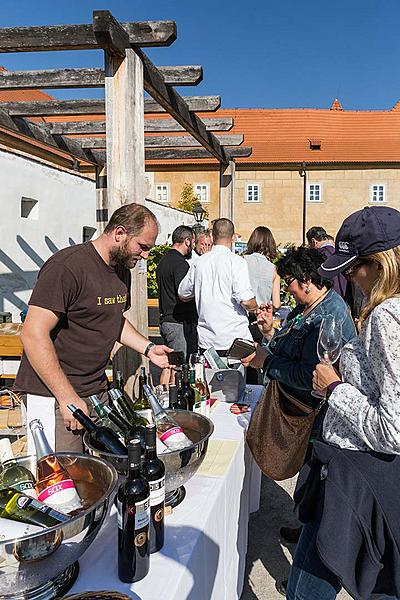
[{"x": 307, "y": 290}]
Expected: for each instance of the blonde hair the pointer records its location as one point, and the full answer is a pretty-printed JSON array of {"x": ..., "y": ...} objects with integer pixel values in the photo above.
[{"x": 387, "y": 283}]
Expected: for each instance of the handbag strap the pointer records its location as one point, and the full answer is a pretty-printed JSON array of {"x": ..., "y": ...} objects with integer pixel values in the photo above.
[{"x": 308, "y": 410}]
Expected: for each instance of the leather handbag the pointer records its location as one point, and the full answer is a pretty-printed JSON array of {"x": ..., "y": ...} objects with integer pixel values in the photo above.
[{"x": 279, "y": 432}]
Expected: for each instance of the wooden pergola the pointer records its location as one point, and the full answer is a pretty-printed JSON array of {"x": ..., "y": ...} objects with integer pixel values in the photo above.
[{"x": 116, "y": 147}]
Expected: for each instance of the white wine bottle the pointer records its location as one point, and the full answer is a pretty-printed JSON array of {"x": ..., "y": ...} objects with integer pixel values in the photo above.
[
  {"x": 14, "y": 474},
  {"x": 168, "y": 430}
]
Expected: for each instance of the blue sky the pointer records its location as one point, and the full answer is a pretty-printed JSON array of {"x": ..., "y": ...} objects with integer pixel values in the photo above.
[{"x": 255, "y": 53}]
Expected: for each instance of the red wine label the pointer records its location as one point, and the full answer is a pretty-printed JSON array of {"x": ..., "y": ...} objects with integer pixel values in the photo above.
[
  {"x": 142, "y": 513},
  {"x": 61, "y": 495},
  {"x": 157, "y": 491},
  {"x": 170, "y": 432}
]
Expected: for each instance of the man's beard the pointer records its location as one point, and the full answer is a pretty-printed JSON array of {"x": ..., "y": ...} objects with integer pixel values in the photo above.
[
  {"x": 189, "y": 254},
  {"x": 123, "y": 258}
]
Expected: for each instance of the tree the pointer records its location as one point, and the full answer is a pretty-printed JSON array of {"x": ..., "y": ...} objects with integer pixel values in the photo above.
[{"x": 189, "y": 199}]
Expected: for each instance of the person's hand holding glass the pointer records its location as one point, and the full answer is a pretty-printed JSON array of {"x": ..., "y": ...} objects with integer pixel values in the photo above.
[{"x": 329, "y": 347}]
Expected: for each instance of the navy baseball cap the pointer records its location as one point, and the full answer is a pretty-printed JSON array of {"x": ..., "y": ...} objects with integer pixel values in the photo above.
[{"x": 372, "y": 229}]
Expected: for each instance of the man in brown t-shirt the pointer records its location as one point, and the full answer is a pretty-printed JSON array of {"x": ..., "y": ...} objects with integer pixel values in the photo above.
[{"x": 76, "y": 315}]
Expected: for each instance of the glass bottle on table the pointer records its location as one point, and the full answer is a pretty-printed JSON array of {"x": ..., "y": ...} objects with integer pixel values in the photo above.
[
  {"x": 122, "y": 404},
  {"x": 168, "y": 430},
  {"x": 186, "y": 395},
  {"x": 14, "y": 474},
  {"x": 54, "y": 486},
  {"x": 20, "y": 507},
  {"x": 119, "y": 382},
  {"x": 153, "y": 471},
  {"x": 142, "y": 406},
  {"x": 100, "y": 410},
  {"x": 130, "y": 432},
  {"x": 133, "y": 504},
  {"x": 102, "y": 438},
  {"x": 197, "y": 397}
]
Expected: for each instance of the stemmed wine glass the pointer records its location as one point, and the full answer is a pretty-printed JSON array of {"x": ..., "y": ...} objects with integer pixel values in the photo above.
[{"x": 329, "y": 345}]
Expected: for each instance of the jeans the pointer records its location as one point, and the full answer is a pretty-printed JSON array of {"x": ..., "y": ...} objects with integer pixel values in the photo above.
[{"x": 309, "y": 578}]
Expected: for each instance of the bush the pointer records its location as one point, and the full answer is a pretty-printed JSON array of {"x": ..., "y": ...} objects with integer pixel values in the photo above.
[{"x": 155, "y": 256}]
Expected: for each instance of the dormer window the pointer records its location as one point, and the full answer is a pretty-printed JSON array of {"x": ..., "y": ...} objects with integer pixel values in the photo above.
[{"x": 315, "y": 144}]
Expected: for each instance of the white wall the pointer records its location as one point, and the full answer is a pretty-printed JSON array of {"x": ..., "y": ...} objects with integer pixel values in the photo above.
[
  {"x": 65, "y": 204},
  {"x": 169, "y": 218}
]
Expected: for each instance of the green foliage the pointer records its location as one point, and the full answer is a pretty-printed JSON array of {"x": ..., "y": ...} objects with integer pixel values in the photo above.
[
  {"x": 189, "y": 199},
  {"x": 287, "y": 298},
  {"x": 155, "y": 256}
]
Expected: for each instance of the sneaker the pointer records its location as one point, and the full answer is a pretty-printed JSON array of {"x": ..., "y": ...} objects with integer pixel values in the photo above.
[
  {"x": 290, "y": 534},
  {"x": 281, "y": 586}
]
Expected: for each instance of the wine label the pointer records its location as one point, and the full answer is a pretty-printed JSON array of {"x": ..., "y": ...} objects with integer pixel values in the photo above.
[
  {"x": 61, "y": 495},
  {"x": 142, "y": 513},
  {"x": 157, "y": 491},
  {"x": 26, "y": 502},
  {"x": 26, "y": 487},
  {"x": 174, "y": 431}
]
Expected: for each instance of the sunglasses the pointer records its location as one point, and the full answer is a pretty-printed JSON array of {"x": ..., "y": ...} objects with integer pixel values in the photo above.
[
  {"x": 288, "y": 280},
  {"x": 350, "y": 272}
]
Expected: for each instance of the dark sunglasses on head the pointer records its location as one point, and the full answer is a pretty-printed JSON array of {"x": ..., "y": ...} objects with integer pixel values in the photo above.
[
  {"x": 288, "y": 280},
  {"x": 349, "y": 273}
]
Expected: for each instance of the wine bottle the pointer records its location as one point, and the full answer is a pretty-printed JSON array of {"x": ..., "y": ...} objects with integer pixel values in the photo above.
[
  {"x": 133, "y": 502},
  {"x": 168, "y": 430},
  {"x": 14, "y": 474},
  {"x": 119, "y": 382},
  {"x": 54, "y": 485},
  {"x": 181, "y": 402},
  {"x": 172, "y": 392},
  {"x": 122, "y": 404},
  {"x": 101, "y": 437},
  {"x": 142, "y": 406},
  {"x": 100, "y": 410},
  {"x": 129, "y": 431},
  {"x": 186, "y": 395},
  {"x": 153, "y": 471},
  {"x": 197, "y": 397},
  {"x": 201, "y": 385},
  {"x": 20, "y": 507}
]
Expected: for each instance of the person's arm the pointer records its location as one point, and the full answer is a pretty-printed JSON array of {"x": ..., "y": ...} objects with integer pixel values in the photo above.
[
  {"x": 130, "y": 337},
  {"x": 249, "y": 305},
  {"x": 276, "y": 291},
  {"x": 377, "y": 424},
  {"x": 241, "y": 287},
  {"x": 186, "y": 286},
  {"x": 41, "y": 354}
]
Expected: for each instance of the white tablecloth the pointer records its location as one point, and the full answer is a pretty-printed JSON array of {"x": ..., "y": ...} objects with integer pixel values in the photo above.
[{"x": 204, "y": 554}]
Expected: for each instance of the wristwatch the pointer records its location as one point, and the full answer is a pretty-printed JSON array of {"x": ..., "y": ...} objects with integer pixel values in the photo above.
[{"x": 149, "y": 346}]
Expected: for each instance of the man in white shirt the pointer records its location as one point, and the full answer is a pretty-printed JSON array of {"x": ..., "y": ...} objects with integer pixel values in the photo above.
[{"x": 219, "y": 282}]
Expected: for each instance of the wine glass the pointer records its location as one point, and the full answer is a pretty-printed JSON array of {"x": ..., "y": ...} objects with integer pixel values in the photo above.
[{"x": 329, "y": 345}]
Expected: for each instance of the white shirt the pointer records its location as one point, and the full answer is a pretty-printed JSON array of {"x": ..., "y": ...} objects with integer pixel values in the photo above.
[
  {"x": 364, "y": 412},
  {"x": 219, "y": 281}
]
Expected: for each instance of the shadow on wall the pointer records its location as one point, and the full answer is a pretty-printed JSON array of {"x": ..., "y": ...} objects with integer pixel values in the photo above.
[{"x": 19, "y": 280}]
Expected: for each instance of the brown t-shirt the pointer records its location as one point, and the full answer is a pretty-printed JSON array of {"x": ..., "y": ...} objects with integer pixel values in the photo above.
[{"x": 90, "y": 298}]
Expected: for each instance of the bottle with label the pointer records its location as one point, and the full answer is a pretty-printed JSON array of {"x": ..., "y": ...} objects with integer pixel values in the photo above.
[
  {"x": 20, "y": 507},
  {"x": 129, "y": 431},
  {"x": 14, "y": 474},
  {"x": 154, "y": 471},
  {"x": 168, "y": 430},
  {"x": 133, "y": 503},
  {"x": 197, "y": 397},
  {"x": 122, "y": 404},
  {"x": 186, "y": 395},
  {"x": 103, "y": 418},
  {"x": 54, "y": 485},
  {"x": 142, "y": 406},
  {"x": 101, "y": 437},
  {"x": 202, "y": 387}
]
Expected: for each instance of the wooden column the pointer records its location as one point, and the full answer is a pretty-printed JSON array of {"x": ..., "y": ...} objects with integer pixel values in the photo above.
[
  {"x": 125, "y": 176},
  {"x": 101, "y": 199},
  {"x": 227, "y": 190}
]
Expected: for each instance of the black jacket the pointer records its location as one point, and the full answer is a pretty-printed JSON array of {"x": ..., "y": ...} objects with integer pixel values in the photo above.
[{"x": 359, "y": 533}]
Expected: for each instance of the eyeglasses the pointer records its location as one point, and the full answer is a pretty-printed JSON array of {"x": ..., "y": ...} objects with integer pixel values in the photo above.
[
  {"x": 350, "y": 272},
  {"x": 288, "y": 280}
]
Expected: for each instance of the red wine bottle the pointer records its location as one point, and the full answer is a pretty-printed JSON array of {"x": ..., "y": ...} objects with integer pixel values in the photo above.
[
  {"x": 133, "y": 503},
  {"x": 102, "y": 438},
  {"x": 154, "y": 471}
]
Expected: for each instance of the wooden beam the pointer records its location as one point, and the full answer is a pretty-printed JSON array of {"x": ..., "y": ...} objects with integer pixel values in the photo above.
[
  {"x": 150, "y": 126},
  {"x": 179, "y": 153},
  {"x": 109, "y": 33},
  {"x": 173, "y": 141},
  {"x": 174, "y": 104},
  {"x": 227, "y": 190},
  {"x": 92, "y": 106},
  {"x": 81, "y": 37},
  {"x": 87, "y": 78}
]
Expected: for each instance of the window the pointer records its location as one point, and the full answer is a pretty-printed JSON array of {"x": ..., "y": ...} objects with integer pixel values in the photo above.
[
  {"x": 253, "y": 192},
  {"x": 202, "y": 192},
  {"x": 378, "y": 193},
  {"x": 29, "y": 208},
  {"x": 314, "y": 192},
  {"x": 162, "y": 192}
]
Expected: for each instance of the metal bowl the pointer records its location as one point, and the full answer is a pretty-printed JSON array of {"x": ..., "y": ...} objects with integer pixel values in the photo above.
[
  {"x": 180, "y": 465},
  {"x": 44, "y": 565}
]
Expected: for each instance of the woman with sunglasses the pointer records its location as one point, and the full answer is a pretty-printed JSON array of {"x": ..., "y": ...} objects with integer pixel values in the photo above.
[{"x": 348, "y": 493}]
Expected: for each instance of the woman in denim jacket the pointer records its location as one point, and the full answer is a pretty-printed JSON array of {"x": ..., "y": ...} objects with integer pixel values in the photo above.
[{"x": 290, "y": 355}]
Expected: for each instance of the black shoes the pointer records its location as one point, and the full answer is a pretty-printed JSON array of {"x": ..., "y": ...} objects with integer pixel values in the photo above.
[
  {"x": 290, "y": 534},
  {"x": 281, "y": 586}
]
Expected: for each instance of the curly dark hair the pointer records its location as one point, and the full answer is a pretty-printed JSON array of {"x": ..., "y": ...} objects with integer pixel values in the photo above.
[{"x": 303, "y": 264}]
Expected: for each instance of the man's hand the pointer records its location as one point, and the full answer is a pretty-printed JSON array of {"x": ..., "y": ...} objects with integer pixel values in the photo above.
[
  {"x": 256, "y": 359},
  {"x": 323, "y": 376},
  {"x": 69, "y": 421},
  {"x": 159, "y": 356}
]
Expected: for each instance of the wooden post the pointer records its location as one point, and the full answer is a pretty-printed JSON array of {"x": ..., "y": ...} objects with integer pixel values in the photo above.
[
  {"x": 227, "y": 190},
  {"x": 125, "y": 177},
  {"x": 101, "y": 199}
]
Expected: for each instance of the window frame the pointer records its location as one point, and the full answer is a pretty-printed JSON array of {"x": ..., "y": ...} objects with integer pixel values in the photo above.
[
  {"x": 168, "y": 187},
  {"x": 253, "y": 184},
  {"x": 207, "y": 186},
  {"x": 371, "y": 193},
  {"x": 314, "y": 183}
]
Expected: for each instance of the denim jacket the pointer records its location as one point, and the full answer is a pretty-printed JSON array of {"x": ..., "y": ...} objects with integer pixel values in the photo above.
[{"x": 293, "y": 350}]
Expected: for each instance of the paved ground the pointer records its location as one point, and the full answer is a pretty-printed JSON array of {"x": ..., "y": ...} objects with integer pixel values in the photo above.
[{"x": 267, "y": 559}]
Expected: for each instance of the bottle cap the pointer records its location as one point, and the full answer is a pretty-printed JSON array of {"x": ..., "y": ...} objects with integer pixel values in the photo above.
[
  {"x": 36, "y": 423},
  {"x": 134, "y": 452}
]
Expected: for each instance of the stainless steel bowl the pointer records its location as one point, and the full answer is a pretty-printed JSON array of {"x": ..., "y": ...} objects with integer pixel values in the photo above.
[
  {"x": 44, "y": 565},
  {"x": 180, "y": 465}
]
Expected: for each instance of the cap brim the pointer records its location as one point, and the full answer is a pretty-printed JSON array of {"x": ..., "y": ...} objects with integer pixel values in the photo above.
[{"x": 335, "y": 264}]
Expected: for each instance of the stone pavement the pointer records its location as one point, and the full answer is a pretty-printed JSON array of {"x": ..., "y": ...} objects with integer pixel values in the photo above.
[{"x": 268, "y": 560}]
